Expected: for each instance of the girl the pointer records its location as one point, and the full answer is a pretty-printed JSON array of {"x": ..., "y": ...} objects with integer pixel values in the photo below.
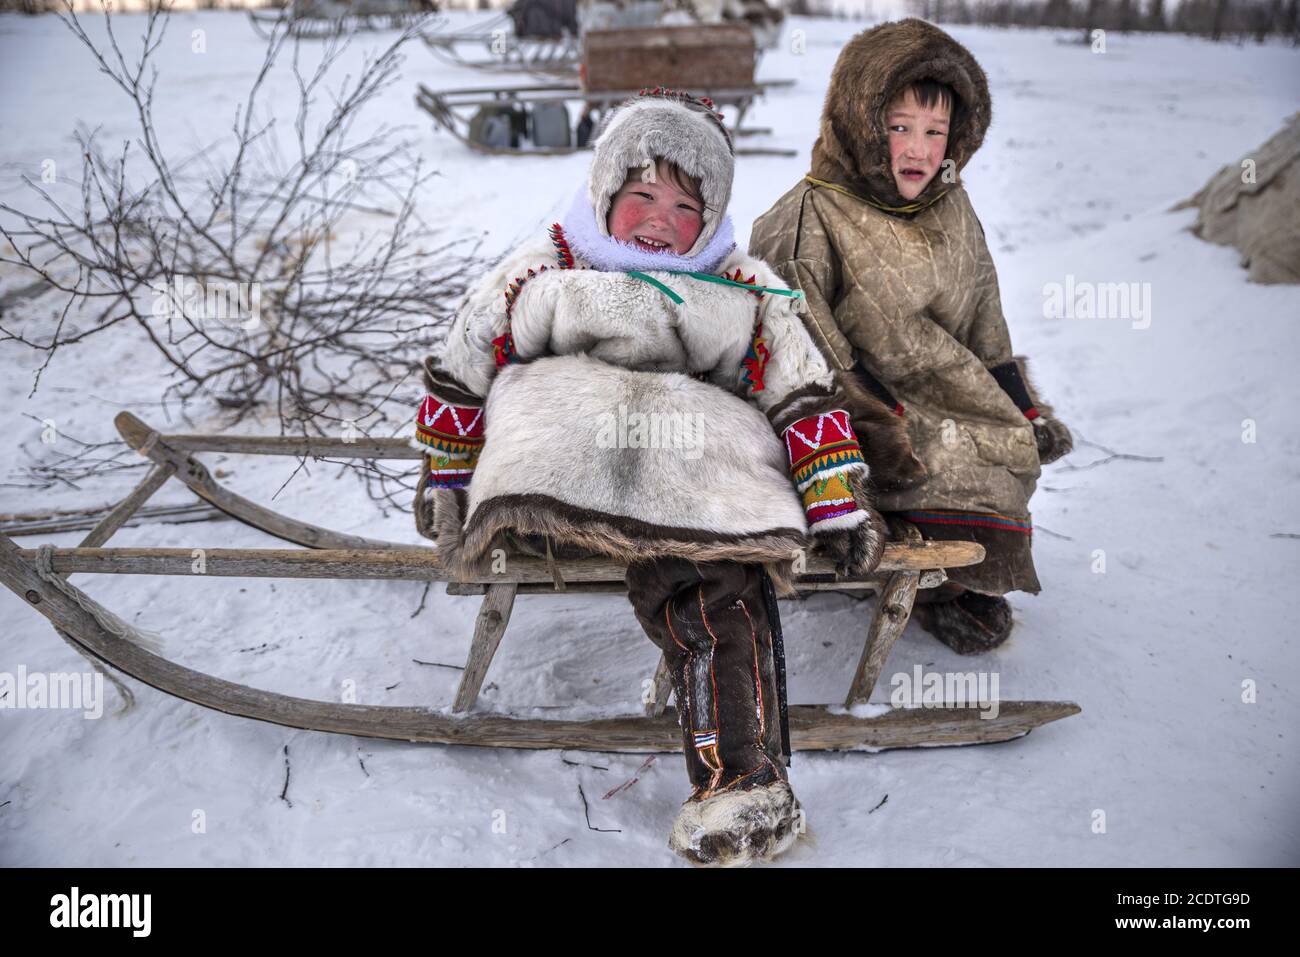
[{"x": 631, "y": 385}]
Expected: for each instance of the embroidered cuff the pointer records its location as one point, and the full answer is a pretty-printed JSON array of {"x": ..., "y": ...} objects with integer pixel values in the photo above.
[
  {"x": 824, "y": 453},
  {"x": 448, "y": 472},
  {"x": 452, "y": 436}
]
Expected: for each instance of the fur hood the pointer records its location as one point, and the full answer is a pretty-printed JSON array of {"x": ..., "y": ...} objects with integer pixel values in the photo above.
[
  {"x": 852, "y": 148},
  {"x": 677, "y": 127}
]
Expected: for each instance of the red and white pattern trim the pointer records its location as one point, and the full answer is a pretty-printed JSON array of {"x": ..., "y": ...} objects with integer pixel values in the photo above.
[{"x": 450, "y": 429}]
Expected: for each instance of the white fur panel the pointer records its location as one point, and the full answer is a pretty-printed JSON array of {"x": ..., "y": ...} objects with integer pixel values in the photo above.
[
  {"x": 630, "y": 323},
  {"x": 553, "y": 427}
]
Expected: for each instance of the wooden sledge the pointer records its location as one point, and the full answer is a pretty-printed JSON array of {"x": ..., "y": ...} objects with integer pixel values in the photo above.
[
  {"x": 452, "y": 110},
  {"x": 39, "y": 577},
  {"x": 508, "y": 53},
  {"x": 312, "y": 25}
]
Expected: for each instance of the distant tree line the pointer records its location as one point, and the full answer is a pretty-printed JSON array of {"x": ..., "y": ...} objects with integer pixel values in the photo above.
[
  {"x": 1237, "y": 20},
  {"x": 128, "y": 6}
]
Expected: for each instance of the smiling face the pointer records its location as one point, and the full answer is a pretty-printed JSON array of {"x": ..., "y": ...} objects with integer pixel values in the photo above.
[
  {"x": 658, "y": 216},
  {"x": 918, "y": 140}
]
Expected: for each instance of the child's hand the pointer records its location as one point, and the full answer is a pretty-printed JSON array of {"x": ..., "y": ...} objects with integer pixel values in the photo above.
[
  {"x": 1053, "y": 439},
  {"x": 856, "y": 551},
  {"x": 574, "y": 298}
]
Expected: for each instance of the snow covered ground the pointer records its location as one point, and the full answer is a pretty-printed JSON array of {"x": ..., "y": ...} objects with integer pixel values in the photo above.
[{"x": 1086, "y": 154}]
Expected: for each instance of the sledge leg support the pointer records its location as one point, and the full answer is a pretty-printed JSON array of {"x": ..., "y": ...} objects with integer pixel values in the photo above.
[
  {"x": 124, "y": 509},
  {"x": 493, "y": 616},
  {"x": 104, "y": 529},
  {"x": 661, "y": 687},
  {"x": 893, "y": 609}
]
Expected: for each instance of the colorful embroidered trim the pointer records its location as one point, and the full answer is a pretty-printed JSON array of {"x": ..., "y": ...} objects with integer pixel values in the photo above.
[
  {"x": 706, "y": 747},
  {"x": 503, "y": 349},
  {"x": 828, "y": 498},
  {"x": 755, "y": 361},
  {"x": 756, "y": 358},
  {"x": 449, "y": 429},
  {"x": 448, "y": 472},
  {"x": 562, "y": 251},
  {"x": 503, "y": 346},
  {"x": 820, "y": 445},
  {"x": 824, "y": 451},
  {"x": 670, "y": 94},
  {"x": 942, "y": 516},
  {"x": 840, "y": 458},
  {"x": 739, "y": 279},
  {"x": 452, "y": 436}
]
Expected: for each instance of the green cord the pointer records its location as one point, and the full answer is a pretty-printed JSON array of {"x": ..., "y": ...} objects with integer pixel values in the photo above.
[
  {"x": 706, "y": 277},
  {"x": 658, "y": 285},
  {"x": 792, "y": 293}
]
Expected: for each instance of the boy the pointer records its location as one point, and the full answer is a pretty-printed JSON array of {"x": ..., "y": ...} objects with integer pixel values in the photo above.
[{"x": 901, "y": 289}]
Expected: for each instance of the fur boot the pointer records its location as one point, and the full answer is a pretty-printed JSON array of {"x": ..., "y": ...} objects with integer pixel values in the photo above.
[
  {"x": 738, "y": 828},
  {"x": 970, "y": 624}
]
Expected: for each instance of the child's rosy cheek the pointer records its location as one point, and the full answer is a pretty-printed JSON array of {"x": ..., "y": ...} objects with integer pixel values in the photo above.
[{"x": 688, "y": 224}]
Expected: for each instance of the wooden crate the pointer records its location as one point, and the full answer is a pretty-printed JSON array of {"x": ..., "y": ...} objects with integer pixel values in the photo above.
[{"x": 695, "y": 58}]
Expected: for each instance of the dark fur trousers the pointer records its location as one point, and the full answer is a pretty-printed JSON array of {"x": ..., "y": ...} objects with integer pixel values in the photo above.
[{"x": 714, "y": 622}]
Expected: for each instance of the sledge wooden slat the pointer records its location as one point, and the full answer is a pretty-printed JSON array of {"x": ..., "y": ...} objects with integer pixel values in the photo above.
[
  {"x": 311, "y": 446},
  {"x": 931, "y": 578},
  {"x": 124, "y": 509},
  {"x": 195, "y": 475},
  {"x": 811, "y": 727},
  {"x": 408, "y": 563},
  {"x": 18, "y": 525}
]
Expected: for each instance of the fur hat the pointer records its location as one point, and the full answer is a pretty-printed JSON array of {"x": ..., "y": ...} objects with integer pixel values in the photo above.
[
  {"x": 877, "y": 64},
  {"x": 677, "y": 127}
]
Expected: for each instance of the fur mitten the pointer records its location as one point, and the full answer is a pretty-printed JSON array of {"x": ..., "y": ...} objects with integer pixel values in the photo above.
[
  {"x": 856, "y": 551},
  {"x": 1053, "y": 438},
  {"x": 449, "y": 431}
]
